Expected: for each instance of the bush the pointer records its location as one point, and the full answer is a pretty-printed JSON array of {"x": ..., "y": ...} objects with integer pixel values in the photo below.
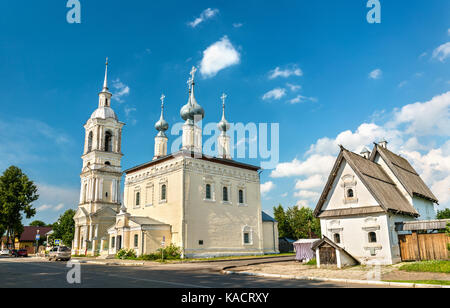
[
  {"x": 126, "y": 254},
  {"x": 170, "y": 252},
  {"x": 311, "y": 262}
]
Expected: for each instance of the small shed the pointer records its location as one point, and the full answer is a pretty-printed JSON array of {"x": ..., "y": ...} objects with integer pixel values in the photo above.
[
  {"x": 285, "y": 244},
  {"x": 303, "y": 249},
  {"x": 329, "y": 253}
]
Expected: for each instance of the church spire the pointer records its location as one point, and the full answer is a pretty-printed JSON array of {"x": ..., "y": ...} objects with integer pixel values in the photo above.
[
  {"x": 223, "y": 139},
  {"x": 161, "y": 139},
  {"x": 105, "y": 83},
  {"x": 105, "y": 95}
]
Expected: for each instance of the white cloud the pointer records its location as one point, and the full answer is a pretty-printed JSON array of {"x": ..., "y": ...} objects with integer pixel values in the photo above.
[
  {"x": 442, "y": 52},
  {"x": 218, "y": 56},
  {"x": 276, "y": 94},
  {"x": 314, "y": 181},
  {"x": 293, "y": 87},
  {"x": 238, "y": 24},
  {"x": 375, "y": 74},
  {"x": 267, "y": 187},
  {"x": 301, "y": 99},
  {"x": 205, "y": 15},
  {"x": 419, "y": 132},
  {"x": 402, "y": 84},
  {"x": 121, "y": 90},
  {"x": 312, "y": 165},
  {"x": 292, "y": 71}
]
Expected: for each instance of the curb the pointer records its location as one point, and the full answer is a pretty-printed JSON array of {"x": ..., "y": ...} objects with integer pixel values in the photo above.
[
  {"x": 110, "y": 263},
  {"x": 348, "y": 281}
]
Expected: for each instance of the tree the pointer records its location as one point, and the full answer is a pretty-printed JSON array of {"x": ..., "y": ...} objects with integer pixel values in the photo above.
[
  {"x": 444, "y": 214},
  {"x": 17, "y": 193},
  {"x": 284, "y": 228},
  {"x": 38, "y": 223},
  {"x": 64, "y": 228},
  {"x": 297, "y": 223}
]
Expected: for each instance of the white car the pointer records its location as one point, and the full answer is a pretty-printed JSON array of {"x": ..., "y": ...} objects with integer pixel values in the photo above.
[{"x": 5, "y": 252}]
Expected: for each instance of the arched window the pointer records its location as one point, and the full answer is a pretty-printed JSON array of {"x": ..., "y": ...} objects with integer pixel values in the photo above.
[
  {"x": 90, "y": 137},
  {"x": 108, "y": 141},
  {"x": 225, "y": 194},
  {"x": 350, "y": 193},
  {"x": 241, "y": 196},
  {"x": 372, "y": 237},
  {"x": 138, "y": 198},
  {"x": 208, "y": 192},
  {"x": 337, "y": 238},
  {"x": 108, "y": 163},
  {"x": 136, "y": 240},
  {"x": 163, "y": 193}
]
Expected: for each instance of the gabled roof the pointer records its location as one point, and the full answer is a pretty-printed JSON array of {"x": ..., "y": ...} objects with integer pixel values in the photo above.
[
  {"x": 382, "y": 188},
  {"x": 266, "y": 217},
  {"x": 326, "y": 240},
  {"x": 29, "y": 233},
  {"x": 405, "y": 173}
]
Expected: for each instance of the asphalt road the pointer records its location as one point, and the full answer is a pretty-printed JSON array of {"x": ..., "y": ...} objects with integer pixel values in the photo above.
[{"x": 35, "y": 273}]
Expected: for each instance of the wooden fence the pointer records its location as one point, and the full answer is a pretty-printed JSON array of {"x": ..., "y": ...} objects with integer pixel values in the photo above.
[{"x": 420, "y": 247}]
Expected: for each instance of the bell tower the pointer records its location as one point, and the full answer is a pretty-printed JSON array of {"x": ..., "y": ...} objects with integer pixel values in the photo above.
[{"x": 100, "y": 176}]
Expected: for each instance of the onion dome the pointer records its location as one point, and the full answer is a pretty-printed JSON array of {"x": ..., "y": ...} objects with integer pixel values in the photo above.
[
  {"x": 223, "y": 125},
  {"x": 192, "y": 111},
  {"x": 162, "y": 126}
]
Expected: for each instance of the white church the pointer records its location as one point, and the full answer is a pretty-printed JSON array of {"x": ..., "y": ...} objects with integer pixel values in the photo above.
[{"x": 207, "y": 206}]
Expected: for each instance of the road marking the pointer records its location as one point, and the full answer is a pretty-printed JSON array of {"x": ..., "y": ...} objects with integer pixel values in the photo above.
[{"x": 161, "y": 281}]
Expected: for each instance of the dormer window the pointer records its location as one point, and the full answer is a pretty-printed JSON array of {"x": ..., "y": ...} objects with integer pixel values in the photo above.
[
  {"x": 337, "y": 238},
  {"x": 372, "y": 237},
  {"x": 350, "y": 193},
  {"x": 349, "y": 186}
]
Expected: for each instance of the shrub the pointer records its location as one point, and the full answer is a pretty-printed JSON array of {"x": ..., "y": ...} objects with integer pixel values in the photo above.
[
  {"x": 126, "y": 254},
  {"x": 312, "y": 262},
  {"x": 171, "y": 252}
]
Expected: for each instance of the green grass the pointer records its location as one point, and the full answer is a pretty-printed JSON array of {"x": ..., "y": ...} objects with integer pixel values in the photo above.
[
  {"x": 427, "y": 266},
  {"x": 437, "y": 282},
  {"x": 241, "y": 257}
]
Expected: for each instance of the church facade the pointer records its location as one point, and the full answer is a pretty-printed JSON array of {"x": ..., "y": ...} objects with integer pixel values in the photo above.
[{"x": 207, "y": 206}]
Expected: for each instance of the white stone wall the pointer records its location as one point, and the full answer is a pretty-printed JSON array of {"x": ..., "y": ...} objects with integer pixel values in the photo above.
[{"x": 354, "y": 237}]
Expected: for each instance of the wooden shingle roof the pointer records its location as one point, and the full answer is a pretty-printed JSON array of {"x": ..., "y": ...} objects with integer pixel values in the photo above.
[
  {"x": 405, "y": 173},
  {"x": 382, "y": 188}
]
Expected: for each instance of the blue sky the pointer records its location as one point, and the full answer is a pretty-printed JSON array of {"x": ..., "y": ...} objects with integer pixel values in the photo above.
[{"x": 330, "y": 77}]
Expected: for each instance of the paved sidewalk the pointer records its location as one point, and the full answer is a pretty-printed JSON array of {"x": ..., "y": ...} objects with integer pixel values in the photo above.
[{"x": 293, "y": 269}]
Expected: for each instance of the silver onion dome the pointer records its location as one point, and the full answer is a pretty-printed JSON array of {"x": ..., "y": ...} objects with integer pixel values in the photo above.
[
  {"x": 162, "y": 126},
  {"x": 223, "y": 125},
  {"x": 192, "y": 112}
]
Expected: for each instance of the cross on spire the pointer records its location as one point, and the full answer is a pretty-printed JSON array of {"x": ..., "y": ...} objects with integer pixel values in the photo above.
[
  {"x": 192, "y": 73},
  {"x": 223, "y": 97},
  {"x": 162, "y": 99}
]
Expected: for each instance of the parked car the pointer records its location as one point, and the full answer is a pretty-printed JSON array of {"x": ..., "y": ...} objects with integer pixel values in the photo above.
[
  {"x": 22, "y": 253},
  {"x": 60, "y": 253},
  {"x": 5, "y": 252},
  {"x": 14, "y": 253}
]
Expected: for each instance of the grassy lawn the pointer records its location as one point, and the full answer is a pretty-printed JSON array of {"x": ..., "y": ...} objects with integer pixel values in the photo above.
[
  {"x": 427, "y": 266},
  {"x": 241, "y": 257},
  {"x": 438, "y": 282}
]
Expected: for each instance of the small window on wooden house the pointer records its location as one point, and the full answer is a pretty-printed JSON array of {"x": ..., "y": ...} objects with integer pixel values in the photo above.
[{"x": 337, "y": 238}]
